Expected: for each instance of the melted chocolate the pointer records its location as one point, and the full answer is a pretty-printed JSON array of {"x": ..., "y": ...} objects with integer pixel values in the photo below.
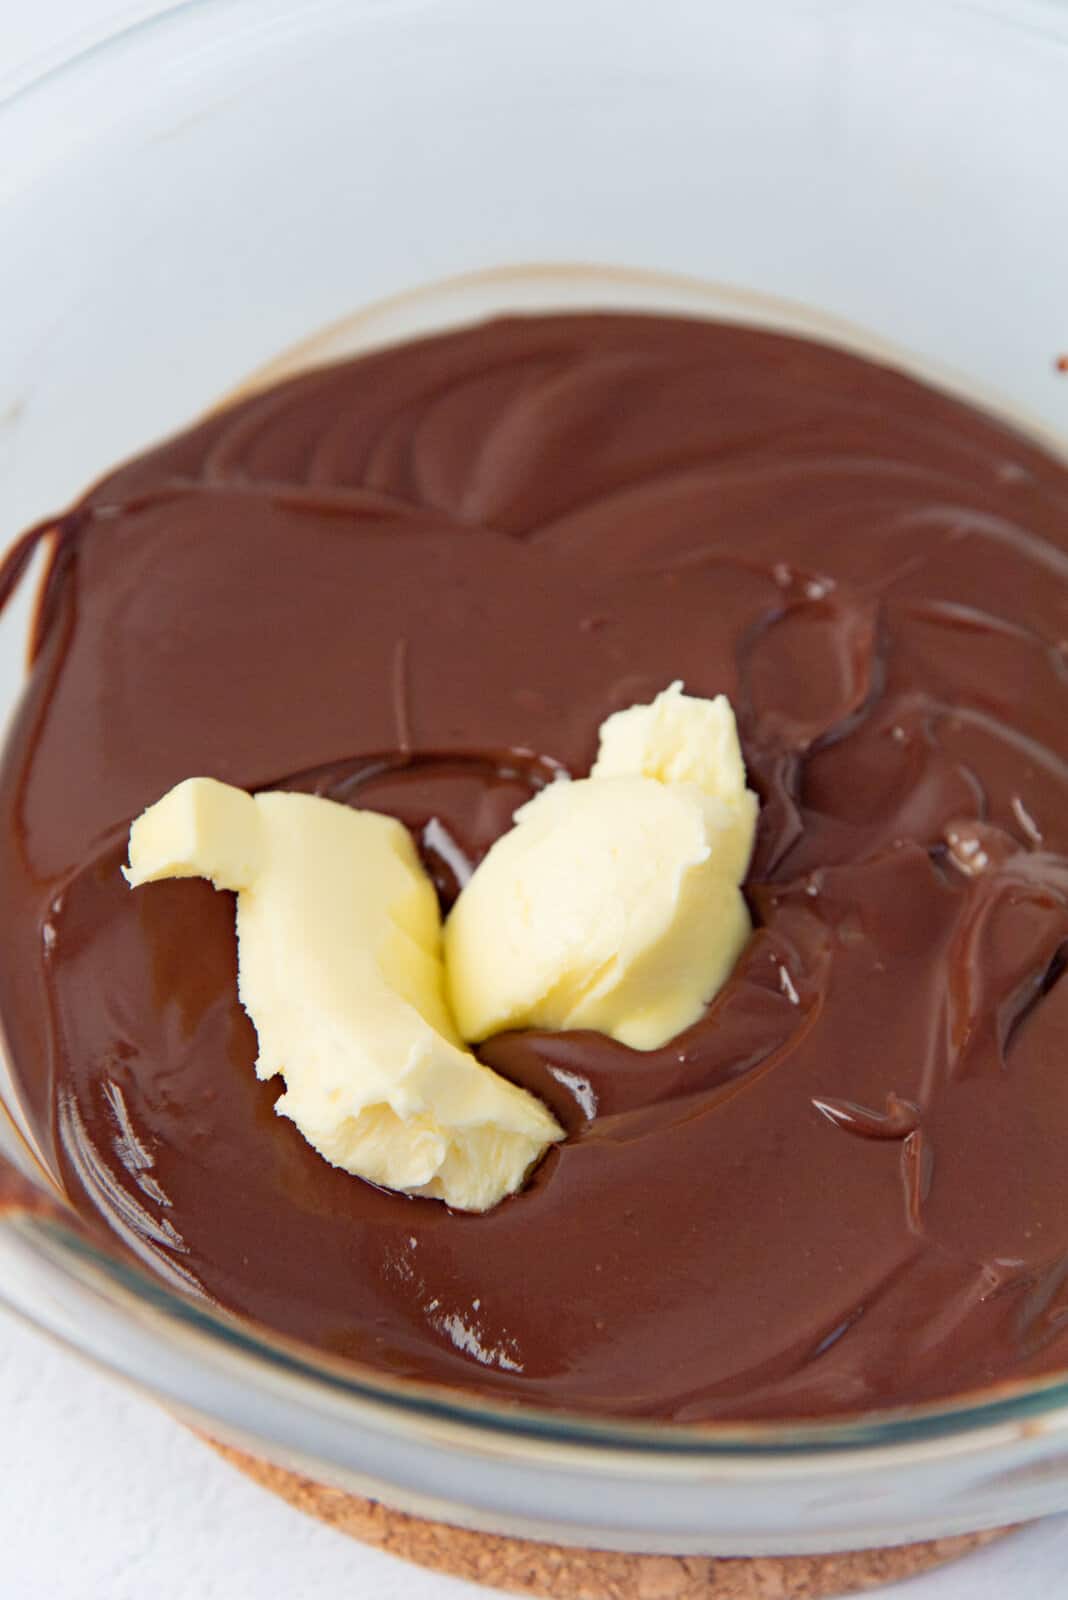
[{"x": 418, "y": 582}]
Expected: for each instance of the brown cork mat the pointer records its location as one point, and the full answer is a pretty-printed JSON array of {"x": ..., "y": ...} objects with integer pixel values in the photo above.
[{"x": 521, "y": 1566}]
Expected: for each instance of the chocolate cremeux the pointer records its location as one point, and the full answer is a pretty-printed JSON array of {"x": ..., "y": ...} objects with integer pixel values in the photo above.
[{"x": 418, "y": 582}]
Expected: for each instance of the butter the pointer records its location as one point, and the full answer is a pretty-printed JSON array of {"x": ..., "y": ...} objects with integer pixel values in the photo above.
[
  {"x": 340, "y": 969},
  {"x": 614, "y": 903}
]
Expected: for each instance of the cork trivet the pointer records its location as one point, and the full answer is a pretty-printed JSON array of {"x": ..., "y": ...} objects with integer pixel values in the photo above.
[{"x": 522, "y": 1566}]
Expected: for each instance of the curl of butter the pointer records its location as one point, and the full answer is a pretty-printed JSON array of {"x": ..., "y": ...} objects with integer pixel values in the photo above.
[
  {"x": 615, "y": 902},
  {"x": 340, "y": 969}
]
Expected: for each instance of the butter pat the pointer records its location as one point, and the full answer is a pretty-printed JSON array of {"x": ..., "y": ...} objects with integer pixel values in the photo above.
[
  {"x": 340, "y": 969},
  {"x": 615, "y": 901}
]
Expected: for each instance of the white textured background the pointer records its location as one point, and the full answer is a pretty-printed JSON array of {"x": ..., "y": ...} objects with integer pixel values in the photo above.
[{"x": 102, "y": 1497}]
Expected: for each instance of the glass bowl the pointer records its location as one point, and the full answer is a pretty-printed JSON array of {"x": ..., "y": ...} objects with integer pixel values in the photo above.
[{"x": 203, "y": 191}]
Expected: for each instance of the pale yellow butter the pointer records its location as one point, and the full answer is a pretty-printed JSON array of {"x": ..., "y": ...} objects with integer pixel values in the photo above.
[
  {"x": 340, "y": 969},
  {"x": 615, "y": 902}
]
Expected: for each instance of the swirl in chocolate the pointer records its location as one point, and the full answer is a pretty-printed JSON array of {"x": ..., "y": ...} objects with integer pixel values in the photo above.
[{"x": 418, "y": 582}]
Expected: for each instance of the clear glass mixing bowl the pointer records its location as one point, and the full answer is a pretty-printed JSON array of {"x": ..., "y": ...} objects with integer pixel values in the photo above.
[{"x": 201, "y": 192}]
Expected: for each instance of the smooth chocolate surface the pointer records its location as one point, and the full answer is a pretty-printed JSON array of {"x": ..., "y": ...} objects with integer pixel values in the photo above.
[{"x": 418, "y": 582}]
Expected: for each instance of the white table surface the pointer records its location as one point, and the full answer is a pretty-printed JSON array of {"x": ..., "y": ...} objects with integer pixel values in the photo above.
[{"x": 102, "y": 1496}]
